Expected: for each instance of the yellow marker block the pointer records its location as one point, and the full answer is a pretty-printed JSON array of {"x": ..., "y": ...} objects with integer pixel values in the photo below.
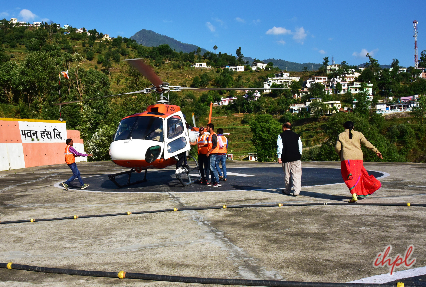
[
  {"x": 9, "y": 265},
  {"x": 128, "y": 213},
  {"x": 408, "y": 204},
  {"x": 175, "y": 209},
  {"x": 280, "y": 204},
  {"x": 32, "y": 220},
  {"x": 224, "y": 206},
  {"x": 121, "y": 274},
  {"x": 400, "y": 284},
  {"x": 75, "y": 216}
]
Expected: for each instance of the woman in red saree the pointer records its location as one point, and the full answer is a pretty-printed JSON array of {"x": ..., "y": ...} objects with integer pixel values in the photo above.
[{"x": 356, "y": 177}]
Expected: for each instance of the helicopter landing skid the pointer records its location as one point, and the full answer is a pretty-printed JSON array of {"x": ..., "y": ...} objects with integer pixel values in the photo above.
[
  {"x": 129, "y": 173},
  {"x": 192, "y": 166}
]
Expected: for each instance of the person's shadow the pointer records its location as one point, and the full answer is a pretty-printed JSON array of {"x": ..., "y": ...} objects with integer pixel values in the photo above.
[{"x": 323, "y": 195}]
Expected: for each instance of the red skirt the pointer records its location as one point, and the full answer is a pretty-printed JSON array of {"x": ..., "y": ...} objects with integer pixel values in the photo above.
[{"x": 357, "y": 178}]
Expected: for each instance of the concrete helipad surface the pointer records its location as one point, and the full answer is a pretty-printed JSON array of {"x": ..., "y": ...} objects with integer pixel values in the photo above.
[{"x": 292, "y": 242}]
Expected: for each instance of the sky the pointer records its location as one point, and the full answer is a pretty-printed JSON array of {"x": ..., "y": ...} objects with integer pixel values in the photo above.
[{"x": 296, "y": 31}]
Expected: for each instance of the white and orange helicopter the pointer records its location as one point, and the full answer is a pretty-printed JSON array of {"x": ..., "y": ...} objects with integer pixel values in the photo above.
[{"x": 155, "y": 138}]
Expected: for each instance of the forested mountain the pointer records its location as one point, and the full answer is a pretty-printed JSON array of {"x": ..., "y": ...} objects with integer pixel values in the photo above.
[
  {"x": 292, "y": 66},
  {"x": 150, "y": 38}
]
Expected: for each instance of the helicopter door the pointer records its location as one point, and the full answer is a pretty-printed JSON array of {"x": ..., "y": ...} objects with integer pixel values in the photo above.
[{"x": 177, "y": 140}]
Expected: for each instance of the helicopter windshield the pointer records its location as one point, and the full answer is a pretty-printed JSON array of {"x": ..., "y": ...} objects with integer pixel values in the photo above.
[{"x": 145, "y": 128}]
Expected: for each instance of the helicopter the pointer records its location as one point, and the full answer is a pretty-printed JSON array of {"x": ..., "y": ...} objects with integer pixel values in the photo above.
[{"x": 157, "y": 137}]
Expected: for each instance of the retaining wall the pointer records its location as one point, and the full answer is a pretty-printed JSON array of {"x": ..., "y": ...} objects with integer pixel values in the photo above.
[{"x": 28, "y": 143}]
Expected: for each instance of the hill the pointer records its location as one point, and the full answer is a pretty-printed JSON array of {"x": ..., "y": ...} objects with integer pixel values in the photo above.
[{"x": 150, "y": 38}]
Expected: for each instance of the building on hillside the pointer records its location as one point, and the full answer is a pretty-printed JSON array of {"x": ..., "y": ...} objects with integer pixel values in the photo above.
[
  {"x": 279, "y": 79},
  {"x": 106, "y": 37},
  {"x": 297, "y": 108},
  {"x": 258, "y": 66},
  {"x": 355, "y": 88},
  {"x": 254, "y": 97},
  {"x": 333, "y": 106},
  {"x": 343, "y": 84},
  {"x": 236, "y": 68},
  {"x": 201, "y": 65},
  {"x": 332, "y": 68},
  {"x": 317, "y": 79},
  {"x": 226, "y": 101}
]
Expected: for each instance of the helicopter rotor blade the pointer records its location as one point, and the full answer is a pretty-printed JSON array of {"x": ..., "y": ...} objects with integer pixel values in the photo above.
[
  {"x": 146, "y": 71},
  {"x": 144, "y": 91}
]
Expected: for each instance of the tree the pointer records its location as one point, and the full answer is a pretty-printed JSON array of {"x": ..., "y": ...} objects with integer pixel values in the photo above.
[
  {"x": 420, "y": 111},
  {"x": 422, "y": 62},
  {"x": 317, "y": 91},
  {"x": 239, "y": 56},
  {"x": 265, "y": 131},
  {"x": 362, "y": 105},
  {"x": 323, "y": 69}
]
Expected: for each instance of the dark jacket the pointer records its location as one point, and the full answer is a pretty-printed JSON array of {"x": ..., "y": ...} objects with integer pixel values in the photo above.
[{"x": 290, "y": 150}]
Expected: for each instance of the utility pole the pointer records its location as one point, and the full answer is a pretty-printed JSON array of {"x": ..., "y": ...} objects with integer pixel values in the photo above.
[{"x": 416, "y": 58}]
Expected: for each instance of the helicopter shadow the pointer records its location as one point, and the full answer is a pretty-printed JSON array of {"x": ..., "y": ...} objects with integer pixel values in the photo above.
[{"x": 155, "y": 181}]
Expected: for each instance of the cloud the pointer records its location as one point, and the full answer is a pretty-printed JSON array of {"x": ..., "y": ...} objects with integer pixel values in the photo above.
[
  {"x": 322, "y": 52},
  {"x": 364, "y": 52},
  {"x": 282, "y": 42},
  {"x": 221, "y": 22},
  {"x": 4, "y": 15},
  {"x": 255, "y": 22},
  {"x": 299, "y": 35},
  {"x": 238, "y": 19},
  {"x": 211, "y": 27},
  {"x": 278, "y": 31},
  {"x": 26, "y": 15}
]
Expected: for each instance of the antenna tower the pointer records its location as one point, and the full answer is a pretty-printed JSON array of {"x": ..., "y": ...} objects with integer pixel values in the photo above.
[{"x": 416, "y": 59}]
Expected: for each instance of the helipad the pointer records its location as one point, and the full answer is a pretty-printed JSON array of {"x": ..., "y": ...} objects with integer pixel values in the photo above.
[{"x": 281, "y": 238}]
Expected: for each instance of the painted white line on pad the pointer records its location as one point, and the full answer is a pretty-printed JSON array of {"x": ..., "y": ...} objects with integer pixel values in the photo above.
[{"x": 385, "y": 278}]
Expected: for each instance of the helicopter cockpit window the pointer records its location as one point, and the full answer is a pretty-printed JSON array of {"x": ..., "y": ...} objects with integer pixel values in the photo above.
[
  {"x": 145, "y": 128},
  {"x": 174, "y": 127}
]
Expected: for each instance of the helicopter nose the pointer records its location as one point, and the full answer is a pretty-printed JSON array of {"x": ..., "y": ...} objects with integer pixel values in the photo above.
[{"x": 135, "y": 150}]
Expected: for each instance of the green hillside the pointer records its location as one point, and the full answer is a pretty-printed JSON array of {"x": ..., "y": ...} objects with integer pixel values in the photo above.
[{"x": 32, "y": 59}]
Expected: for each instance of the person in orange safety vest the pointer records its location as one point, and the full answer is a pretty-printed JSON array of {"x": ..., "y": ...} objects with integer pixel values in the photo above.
[
  {"x": 212, "y": 153},
  {"x": 221, "y": 154},
  {"x": 203, "y": 159},
  {"x": 70, "y": 154}
]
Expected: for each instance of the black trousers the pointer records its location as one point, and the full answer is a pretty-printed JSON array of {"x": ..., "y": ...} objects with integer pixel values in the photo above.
[
  {"x": 181, "y": 160},
  {"x": 204, "y": 166}
]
